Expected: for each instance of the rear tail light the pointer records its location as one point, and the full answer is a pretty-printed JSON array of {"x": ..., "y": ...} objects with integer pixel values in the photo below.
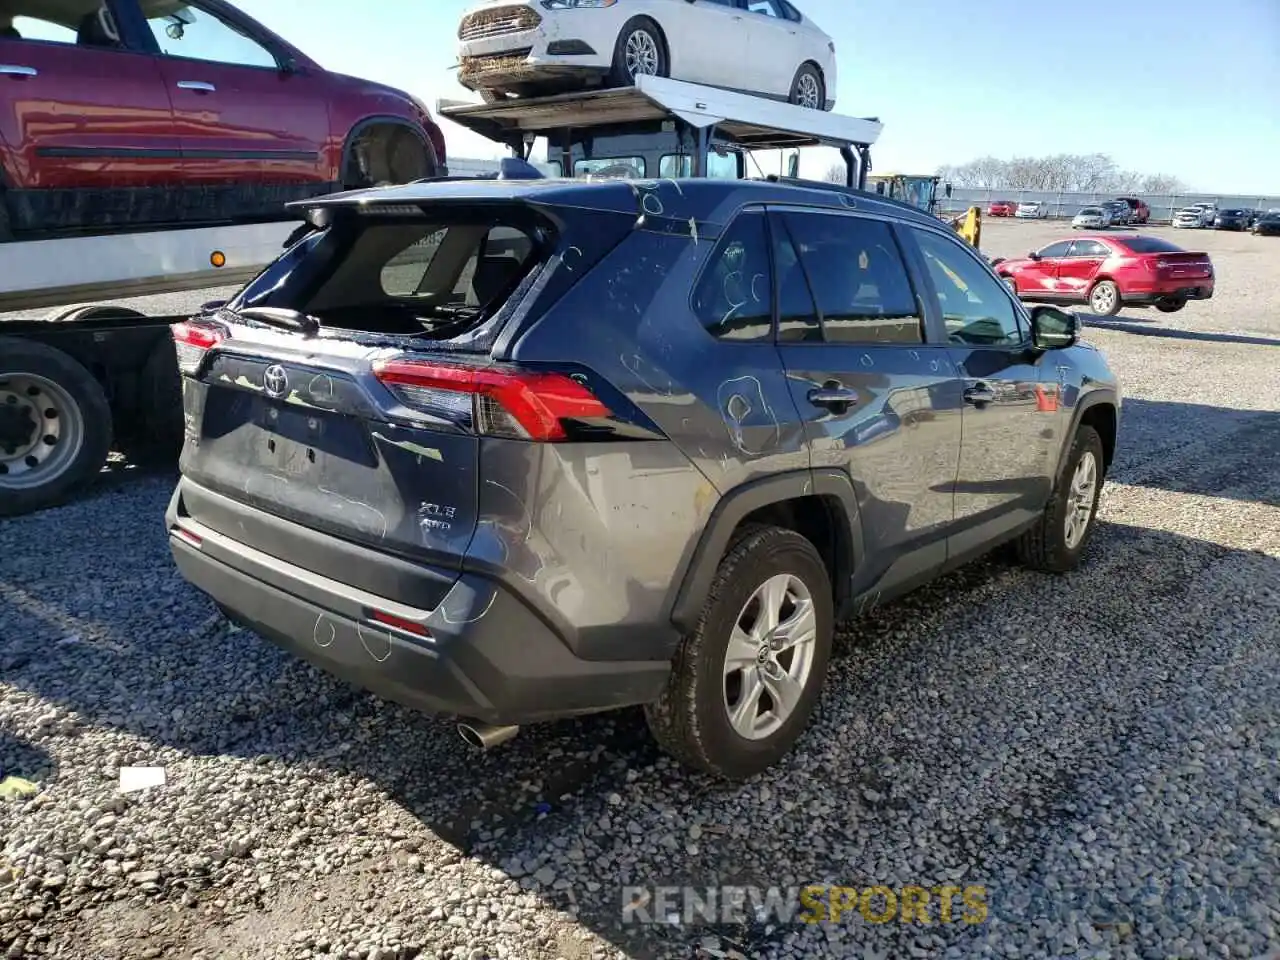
[
  {"x": 192, "y": 341},
  {"x": 517, "y": 404}
]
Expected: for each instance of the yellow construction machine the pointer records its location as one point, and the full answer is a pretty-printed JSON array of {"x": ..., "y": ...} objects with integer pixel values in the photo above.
[{"x": 921, "y": 191}]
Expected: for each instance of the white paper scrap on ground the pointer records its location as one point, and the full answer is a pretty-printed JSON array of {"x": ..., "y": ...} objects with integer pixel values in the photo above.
[{"x": 139, "y": 778}]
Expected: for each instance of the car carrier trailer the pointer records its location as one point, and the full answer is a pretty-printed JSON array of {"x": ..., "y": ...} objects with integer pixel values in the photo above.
[
  {"x": 95, "y": 374},
  {"x": 89, "y": 375},
  {"x": 675, "y": 129}
]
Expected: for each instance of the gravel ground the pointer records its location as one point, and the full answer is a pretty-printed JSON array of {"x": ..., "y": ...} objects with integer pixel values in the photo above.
[{"x": 1098, "y": 751}]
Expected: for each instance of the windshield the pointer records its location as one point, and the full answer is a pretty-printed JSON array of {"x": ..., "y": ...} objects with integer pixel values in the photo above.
[{"x": 1091, "y": 212}]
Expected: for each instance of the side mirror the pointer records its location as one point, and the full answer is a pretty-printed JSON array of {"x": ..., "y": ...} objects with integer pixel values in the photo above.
[
  {"x": 289, "y": 67},
  {"x": 1054, "y": 329},
  {"x": 1033, "y": 255}
]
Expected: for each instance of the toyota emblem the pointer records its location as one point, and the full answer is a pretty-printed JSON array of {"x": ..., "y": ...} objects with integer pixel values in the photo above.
[{"x": 275, "y": 381}]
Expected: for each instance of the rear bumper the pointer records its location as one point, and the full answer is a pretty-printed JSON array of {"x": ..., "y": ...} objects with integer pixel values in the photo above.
[
  {"x": 1168, "y": 292},
  {"x": 487, "y": 656}
]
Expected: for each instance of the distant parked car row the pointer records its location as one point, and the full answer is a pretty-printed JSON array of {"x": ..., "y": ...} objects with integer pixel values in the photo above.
[{"x": 1122, "y": 210}]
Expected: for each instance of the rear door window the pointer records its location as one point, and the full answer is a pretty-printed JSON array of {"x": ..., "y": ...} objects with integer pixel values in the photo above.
[
  {"x": 857, "y": 278},
  {"x": 1088, "y": 248}
]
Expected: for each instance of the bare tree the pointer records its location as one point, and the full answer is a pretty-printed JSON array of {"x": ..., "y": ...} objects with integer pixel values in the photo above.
[
  {"x": 835, "y": 174},
  {"x": 1087, "y": 173}
]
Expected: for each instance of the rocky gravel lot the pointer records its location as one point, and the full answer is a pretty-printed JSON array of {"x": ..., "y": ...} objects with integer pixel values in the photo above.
[{"x": 1100, "y": 751}]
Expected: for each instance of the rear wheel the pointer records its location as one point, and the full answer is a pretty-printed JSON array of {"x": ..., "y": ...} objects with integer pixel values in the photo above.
[
  {"x": 808, "y": 89},
  {"x": 55, "y": 426},
  {"x": 639, "y": 51},
  {"x": 388, "y": 154},
  {"x": 6, "y": 232},
  {"x": 1171, "y": 305},
  {"x": 1104, "y": 298},
  {"x": 743, "y": 685}
]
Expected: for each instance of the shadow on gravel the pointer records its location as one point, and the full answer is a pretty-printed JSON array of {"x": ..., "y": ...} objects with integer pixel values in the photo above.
[
  {"x": 1244, "y": 465},
  {"x": 21, "y": 758},
  {"x": 1133, "y": 324},
  {"x": 927, "y": 691}
]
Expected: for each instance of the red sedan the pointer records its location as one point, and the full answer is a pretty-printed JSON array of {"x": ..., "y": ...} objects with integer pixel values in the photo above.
[
  {"x": 1109, "y": 272},
  {"x": 1002, "y": 208}
]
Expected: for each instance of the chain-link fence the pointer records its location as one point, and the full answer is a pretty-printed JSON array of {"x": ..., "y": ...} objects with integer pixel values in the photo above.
[{"x": 1066, "y": 204}]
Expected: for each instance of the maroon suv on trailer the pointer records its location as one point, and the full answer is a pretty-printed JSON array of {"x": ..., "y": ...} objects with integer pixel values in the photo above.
[{"x": 185, "y": 113}]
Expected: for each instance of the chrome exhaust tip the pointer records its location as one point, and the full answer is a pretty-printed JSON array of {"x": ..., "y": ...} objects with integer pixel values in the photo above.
[{"x": 483, "y": 736}]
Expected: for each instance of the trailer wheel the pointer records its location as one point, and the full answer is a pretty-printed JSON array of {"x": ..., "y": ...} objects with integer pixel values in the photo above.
[
  {"x": 55, "y": 426},
  {"x": 6, "y": 232},
  {"x": 160, "y": 389}
]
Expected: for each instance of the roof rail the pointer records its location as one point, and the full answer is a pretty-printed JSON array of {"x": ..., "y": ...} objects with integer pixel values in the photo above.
[{"x": 830, "y": 187}]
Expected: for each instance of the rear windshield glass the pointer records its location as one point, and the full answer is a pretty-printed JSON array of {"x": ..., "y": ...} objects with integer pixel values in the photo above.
[
  {"x": 1150, "y": 245},
  {"x": 404, "y": 276}
]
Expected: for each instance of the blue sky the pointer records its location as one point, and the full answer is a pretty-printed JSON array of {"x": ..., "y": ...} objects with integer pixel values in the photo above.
[{"x": 1164, "y": 86}]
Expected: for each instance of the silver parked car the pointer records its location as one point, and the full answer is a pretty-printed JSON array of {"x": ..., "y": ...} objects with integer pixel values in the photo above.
[
  {"x": 1189, "y": 218},
  {"x": 1095, "y": 217}
]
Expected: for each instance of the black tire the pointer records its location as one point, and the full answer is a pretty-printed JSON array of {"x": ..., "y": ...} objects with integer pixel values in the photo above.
[
  {"x": 161, "y": 393},
  {"x": 690, "y": 720},
  {"x": 409, "y": 158},
  {"x": 85, "y": 394},
  {"x": 1104, "y": 298},
  {"x": 1045, "y": 546},
  {"x": 6, "y": 231},
  {"x": 620, "y": 75},
  {"x": 808, "y": 72},
  {"x": 1170, "y": 306}
]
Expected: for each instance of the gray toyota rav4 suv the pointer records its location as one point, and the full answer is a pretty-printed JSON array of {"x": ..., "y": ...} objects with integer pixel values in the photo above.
[{"x": 518, "y": 450}]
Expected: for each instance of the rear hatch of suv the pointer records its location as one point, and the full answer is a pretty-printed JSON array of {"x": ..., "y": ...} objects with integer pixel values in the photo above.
[{"x": 344, "y": 391}]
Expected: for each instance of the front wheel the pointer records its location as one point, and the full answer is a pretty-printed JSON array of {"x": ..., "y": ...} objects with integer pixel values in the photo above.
[
  {"x": 808, "y": 89},
  {"x": 744, "y": 684},
  {"x": 1104, "y": 298},
  {"x": 1058, "y": 540},
  {"x": 639, "y": 52}
]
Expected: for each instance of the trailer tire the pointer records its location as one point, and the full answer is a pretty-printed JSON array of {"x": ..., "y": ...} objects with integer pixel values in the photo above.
[
  {"x": 6, "y": 232},
  {"x": 80, "y": 414},
  {"x": 161, "y": 391}
]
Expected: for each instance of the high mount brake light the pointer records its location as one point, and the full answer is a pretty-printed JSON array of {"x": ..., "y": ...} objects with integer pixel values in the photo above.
[
  {"x": 192, "y": 340},
  {"x": 519, "y": 404}
]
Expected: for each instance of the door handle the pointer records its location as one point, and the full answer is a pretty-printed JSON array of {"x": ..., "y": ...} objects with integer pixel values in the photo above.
[
  {"x": 833, "y": 396},
  {"x": 198, "y": 85},
  {"x": 979, "y": 394},
  {"x": 18, "y": 70}
]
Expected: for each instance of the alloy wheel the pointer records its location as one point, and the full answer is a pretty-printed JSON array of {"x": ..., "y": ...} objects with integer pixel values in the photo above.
[
  {"x": 769, "y": 657},
  {"x": 808, "y": 92},
  {"x": 1080, "y": 499},
  {"x": 642, "y": 54}
]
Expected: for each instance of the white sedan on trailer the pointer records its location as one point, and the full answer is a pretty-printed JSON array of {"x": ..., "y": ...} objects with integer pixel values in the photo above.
[{"x": 763, "y": 47}]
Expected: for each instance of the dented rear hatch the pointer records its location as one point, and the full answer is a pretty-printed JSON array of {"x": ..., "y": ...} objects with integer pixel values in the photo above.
[{"x": 344, "y": 393}]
